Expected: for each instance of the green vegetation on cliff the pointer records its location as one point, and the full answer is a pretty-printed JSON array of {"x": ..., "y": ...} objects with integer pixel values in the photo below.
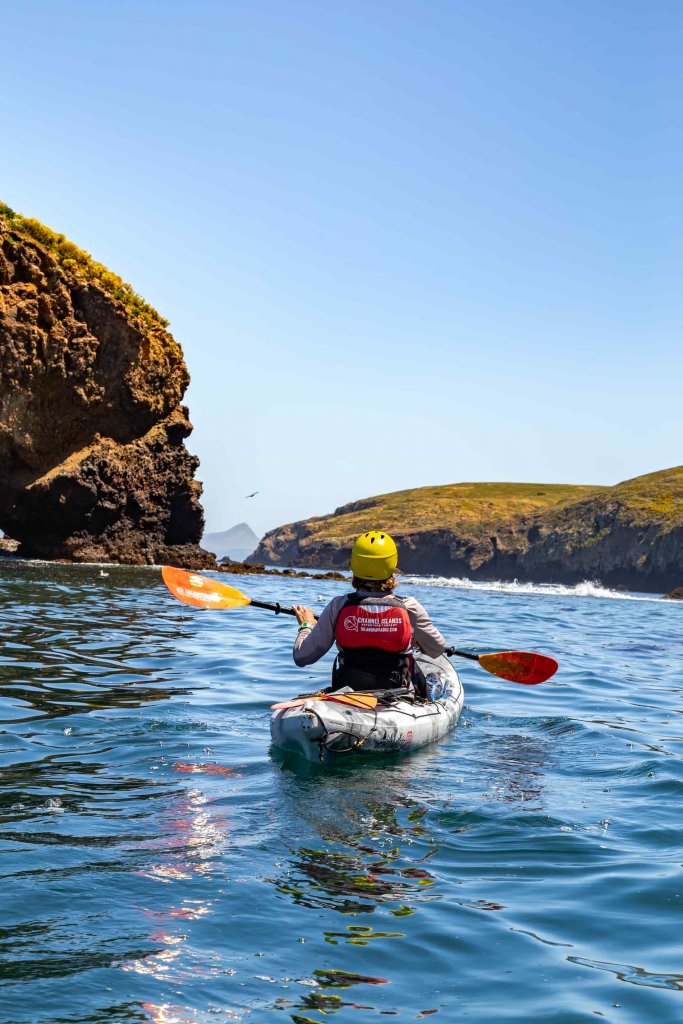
[
  {"x": 81, "y": 264},
  {"x": 652, "y": 499},
  {"x": 628, "y": 535},
  {"x": 467, "y": 506}
]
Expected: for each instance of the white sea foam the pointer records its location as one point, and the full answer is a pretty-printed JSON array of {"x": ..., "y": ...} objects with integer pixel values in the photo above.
[{"x": 588, "y": 588}]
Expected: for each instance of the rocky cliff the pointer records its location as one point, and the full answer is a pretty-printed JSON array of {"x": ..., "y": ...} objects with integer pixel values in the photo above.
[
  {"x": 629, "y": 535},
  {"x": 93, "y": 465}
]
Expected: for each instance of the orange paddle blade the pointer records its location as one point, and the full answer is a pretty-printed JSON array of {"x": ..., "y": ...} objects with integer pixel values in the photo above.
[
  {"x": 200, "y": 591},
  {"x": 519, "y": 666},
  {"x": 296, "y": 702},
  {"x": 365, "y": 701}
]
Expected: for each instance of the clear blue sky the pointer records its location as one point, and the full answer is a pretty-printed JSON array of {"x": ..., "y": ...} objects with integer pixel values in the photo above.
[{"x": 401, "y": 243}]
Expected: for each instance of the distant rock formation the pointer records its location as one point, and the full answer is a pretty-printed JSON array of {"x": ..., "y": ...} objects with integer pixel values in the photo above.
[
  {"x": 254, "y": 569},
  {"x": 92, "y": 461},
  {"x": 629, "y": 535},
  {"x": 236, "y": 543},
  {"x": 675, "y": 595}
]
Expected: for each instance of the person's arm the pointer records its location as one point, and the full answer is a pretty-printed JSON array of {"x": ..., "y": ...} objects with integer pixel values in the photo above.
[
  {"x": 425, "y": 634},
  {"x": 315, "y": 641}
]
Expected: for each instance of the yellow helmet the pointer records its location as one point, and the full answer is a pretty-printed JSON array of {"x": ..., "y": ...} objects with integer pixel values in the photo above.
[{"x": 374, "y": 556}]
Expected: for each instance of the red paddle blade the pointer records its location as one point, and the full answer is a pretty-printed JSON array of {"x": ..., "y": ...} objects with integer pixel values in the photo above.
[
  {"x": 519, "y": 666},
  {"x": 200, "y": 591}
]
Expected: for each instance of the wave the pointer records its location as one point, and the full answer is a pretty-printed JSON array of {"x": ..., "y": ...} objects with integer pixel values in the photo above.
[{"x": 587, "y": 588}]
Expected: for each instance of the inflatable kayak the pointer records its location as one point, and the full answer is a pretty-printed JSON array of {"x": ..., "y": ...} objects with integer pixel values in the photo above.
[{"x": 327, "y": 726}]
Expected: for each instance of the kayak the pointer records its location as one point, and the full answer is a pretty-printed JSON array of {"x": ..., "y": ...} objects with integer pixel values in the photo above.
[{"x": 322, "y": 728}]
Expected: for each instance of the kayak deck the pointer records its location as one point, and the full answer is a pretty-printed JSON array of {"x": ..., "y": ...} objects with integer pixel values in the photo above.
[{"x": 320, "y": 729}]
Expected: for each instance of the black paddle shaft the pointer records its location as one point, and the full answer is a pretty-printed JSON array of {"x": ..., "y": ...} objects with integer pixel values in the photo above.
[
  {"x": 450, "y": 651},
  {"x": 277, "y": 608}
]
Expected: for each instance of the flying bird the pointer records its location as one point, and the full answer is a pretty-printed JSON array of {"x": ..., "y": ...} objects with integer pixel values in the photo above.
[{"x": 253, "y": 494}]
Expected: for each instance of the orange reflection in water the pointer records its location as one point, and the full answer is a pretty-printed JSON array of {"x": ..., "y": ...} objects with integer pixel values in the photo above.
[
  {"x": 177, "y": 961},
  {"x": 168, "y": 1013},
  {"x": 197, "y": 839},
  {"x": 163, "y": 872},
  {"x": 189, "y": 910},
  {"x": 206, "y": 769},
  {"x": 157, "y": 965}
]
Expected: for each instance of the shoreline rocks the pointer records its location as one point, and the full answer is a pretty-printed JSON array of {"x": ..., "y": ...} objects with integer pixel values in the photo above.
[{"x": 255, "y": 569}]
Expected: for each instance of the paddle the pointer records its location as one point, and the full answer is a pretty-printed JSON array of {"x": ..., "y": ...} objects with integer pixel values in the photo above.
[
  {"x": 203, "y": 592},
  {"x": 364, "y": 701},
  {"x": 517, "y": 666}
]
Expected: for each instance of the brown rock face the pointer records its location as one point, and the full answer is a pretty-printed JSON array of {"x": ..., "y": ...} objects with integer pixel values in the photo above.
[{"x": 92, "y": 461}]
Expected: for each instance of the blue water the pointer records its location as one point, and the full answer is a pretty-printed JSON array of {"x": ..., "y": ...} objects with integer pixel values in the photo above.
[{"x": 160, "y": 863}]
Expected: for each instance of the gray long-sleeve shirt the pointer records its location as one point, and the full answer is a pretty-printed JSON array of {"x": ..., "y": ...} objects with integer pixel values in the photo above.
[{"x": 311, "y": 644}]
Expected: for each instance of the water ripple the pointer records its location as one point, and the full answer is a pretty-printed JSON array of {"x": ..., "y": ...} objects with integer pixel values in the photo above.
[{"x": 162, "y": 865}]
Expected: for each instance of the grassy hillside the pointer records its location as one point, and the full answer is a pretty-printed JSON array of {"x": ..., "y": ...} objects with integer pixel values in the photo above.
[
  {"x": 629, "y": 535},
  {"x": 656, "y": 498},
  {"x": 466, "y": 507},
  {"x": 81, "y": 264}
]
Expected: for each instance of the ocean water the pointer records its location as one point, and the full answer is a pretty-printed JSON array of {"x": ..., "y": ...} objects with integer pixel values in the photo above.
[{"x": 161, "y": 864}]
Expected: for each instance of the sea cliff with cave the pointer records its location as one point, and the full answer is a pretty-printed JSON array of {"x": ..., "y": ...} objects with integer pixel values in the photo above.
[{"x": 93, "y": 464}]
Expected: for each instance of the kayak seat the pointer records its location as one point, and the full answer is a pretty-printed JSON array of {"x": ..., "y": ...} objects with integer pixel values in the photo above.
[{"x": 376, "y": 670}]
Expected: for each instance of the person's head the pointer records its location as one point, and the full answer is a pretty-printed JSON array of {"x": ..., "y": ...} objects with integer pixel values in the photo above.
[{"x": 374, "y": 558}]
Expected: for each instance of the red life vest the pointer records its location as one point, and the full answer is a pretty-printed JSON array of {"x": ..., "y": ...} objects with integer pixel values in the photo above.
[{"x": 380, "y": 623}]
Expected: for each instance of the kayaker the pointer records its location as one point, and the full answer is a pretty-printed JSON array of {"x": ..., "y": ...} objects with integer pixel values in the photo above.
[{"x": 372, "y": 627}]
